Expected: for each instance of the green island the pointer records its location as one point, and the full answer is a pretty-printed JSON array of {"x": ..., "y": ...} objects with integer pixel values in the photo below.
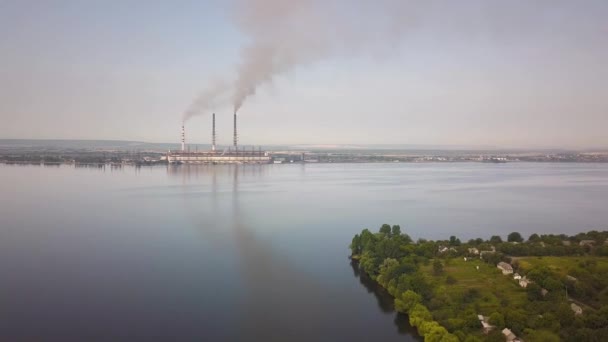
[{"x": 546, "y": 288}]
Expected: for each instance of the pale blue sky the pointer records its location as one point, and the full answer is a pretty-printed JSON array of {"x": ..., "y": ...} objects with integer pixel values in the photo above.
[{"x": 479, "y": 73}]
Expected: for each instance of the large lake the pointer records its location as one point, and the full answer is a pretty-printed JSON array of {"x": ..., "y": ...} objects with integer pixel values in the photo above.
[{"x": 210, "y": 253}]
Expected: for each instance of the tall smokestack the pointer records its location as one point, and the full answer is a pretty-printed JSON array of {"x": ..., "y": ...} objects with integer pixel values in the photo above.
[
  {"x": 235, "y": 138},
  {"x": 213, "y": 133},
  {"x": 183, "y": 138}
]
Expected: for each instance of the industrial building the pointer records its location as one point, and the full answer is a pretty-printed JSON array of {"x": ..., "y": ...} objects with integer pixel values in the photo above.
[{"x": 231, "y": 155}]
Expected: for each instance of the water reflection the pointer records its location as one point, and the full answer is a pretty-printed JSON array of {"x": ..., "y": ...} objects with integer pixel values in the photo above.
[
  {"x": 385, "y": 303},
  {"x": 244, "y": 252},
  {"x": 280, "y": 299}
]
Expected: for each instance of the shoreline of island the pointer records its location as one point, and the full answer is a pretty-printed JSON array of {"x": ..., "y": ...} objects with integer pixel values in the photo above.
[{"x": 546, "y": 288}]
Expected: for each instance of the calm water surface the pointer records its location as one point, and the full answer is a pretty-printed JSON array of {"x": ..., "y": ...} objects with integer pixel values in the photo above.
[{"x": 251, "y": 252}]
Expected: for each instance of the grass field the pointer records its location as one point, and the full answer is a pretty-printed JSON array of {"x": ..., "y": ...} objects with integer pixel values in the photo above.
[
  {"x": 494, "y": 288},
  {"x": 561, "y": 265}
]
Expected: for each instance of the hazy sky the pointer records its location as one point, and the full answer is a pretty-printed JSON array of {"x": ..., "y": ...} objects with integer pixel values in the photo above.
[{"x": 477, "y": 73}]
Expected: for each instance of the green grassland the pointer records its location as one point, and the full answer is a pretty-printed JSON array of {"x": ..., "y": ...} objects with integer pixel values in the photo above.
[
  {"x": 563, "y": 266},
  {"x": 591, "y": 273},
  {"x": 493, "y": 289}
]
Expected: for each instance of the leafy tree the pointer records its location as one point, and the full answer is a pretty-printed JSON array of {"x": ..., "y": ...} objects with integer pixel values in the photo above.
[
  {"x": 515, "y": 237},
  {"x": 356, "y": 247},
  {"x": 516, "y": 320},
  {"x": 419, "y": 314},
  {"x": 454, "y": 241},
  {"x": 534, "y": 238},
  {"x": 497, "y": 320},
  {"x": 495, "y": 336},
  {"x": 534, "y": 292},
  {"x": 406, "y": 239},
  {"x": 369, "y": 263},
  {"x": 386, "y": 271},
  {"x": 437, "y": 267},
  {"x": 495, "y": 239},
  {"x": 396, "y": 231},
  {"x": 407, "y": 301},
  {"x": 541, "y": 336},
  {"x": 385, "y": 229},
  {"x": 470, "y": 320}
]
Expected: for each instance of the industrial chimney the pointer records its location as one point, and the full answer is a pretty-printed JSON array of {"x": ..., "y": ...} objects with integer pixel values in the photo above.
[
  {"x": 183, "y": 138},
  {"x": 235, "y": 138},
  {"x": 213, "y": 133}
]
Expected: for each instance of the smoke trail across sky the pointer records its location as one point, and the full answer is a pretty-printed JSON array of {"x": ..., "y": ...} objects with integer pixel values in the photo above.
[
  {"x": 213, "y": 96},
  {"x": 287, "y": 34},
  {"x": 283, "y": 35}
]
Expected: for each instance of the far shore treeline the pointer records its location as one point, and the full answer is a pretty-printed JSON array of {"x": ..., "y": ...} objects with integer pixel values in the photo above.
[{"x": 543, "y": 288}]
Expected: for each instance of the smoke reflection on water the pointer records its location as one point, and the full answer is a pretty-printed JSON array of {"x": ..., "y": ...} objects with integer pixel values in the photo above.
[
  {"x": 268, "y": 278},
  {"x": 281, "y": 301}
]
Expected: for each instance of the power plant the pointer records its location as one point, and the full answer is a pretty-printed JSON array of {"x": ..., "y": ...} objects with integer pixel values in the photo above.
[{"x": 230, "y": 155}]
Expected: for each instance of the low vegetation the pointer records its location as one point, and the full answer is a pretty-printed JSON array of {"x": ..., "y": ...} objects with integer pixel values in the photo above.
[{"x": 451, "y": 289}]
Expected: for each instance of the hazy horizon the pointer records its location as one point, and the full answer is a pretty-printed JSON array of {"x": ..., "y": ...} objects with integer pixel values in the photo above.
[{"x": 473, "y": 73}]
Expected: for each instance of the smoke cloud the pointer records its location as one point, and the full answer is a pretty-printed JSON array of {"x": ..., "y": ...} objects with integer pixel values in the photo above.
[
  {"x": 215, "y": 95},
  {"x": 285, "y": 35}
]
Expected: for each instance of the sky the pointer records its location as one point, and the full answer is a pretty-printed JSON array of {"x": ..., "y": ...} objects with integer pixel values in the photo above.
[{"x": 453, "y": 73}]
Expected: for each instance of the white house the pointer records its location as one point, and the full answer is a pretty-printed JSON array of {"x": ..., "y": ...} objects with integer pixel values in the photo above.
[
  {"x": 487, "y": 327},
  {"x": 523, "y": 282},
  {"x": 509, "y": 335},
  {"x": 577, "y": 309},
  {"x": 505, "y": 268},
  {"x": 516, "y": 276}
]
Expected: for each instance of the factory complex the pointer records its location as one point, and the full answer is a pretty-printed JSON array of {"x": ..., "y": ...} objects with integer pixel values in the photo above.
[{"x": 231, "y": 155}]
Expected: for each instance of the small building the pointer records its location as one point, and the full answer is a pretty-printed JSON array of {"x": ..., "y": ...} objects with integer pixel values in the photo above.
[
  {"x": 481, "y": 253},
  {"x": 474, "y": 251},
  {"x": 443, "y": 249},
  {"x": 487, "y": 327},
  {"x": 566, "y": 243},
  {"x": 523, "y": 282},
  {"x": 509, "y": 335},
  {"x": 571, "y": 278},
  {"x": 505, "y": 268},
  {"x": 577, "y": 309},
  {"x": 516, "y": 276},
  {"x": 544, "y": 291},
  {"x": 587, "y": 243}
]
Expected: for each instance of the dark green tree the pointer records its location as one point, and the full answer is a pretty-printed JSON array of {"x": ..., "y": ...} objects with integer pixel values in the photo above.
[
  {"x": 495, "y": 239},
  {"x": 385, "y": 229},
  {"x": 454, "y": 241},
  {"x": 437, "y": 267},
  {"x": 515, "y": 237},
  {"x": 396, "y": 231},
  {"x": 497, "y": 320},
  {"x": 356, "y": 246}
]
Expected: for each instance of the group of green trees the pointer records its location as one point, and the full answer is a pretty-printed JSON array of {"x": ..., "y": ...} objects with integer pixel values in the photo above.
[
  {"x": 390, "y": 258},
  {"x": 416, "y": 275}
]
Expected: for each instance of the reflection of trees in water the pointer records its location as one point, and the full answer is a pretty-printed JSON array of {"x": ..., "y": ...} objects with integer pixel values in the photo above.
[{"x": 385, "y": 302}]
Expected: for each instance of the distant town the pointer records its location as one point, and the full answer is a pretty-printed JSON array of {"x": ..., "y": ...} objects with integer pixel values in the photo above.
[{"x": 136, "y": 153}]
